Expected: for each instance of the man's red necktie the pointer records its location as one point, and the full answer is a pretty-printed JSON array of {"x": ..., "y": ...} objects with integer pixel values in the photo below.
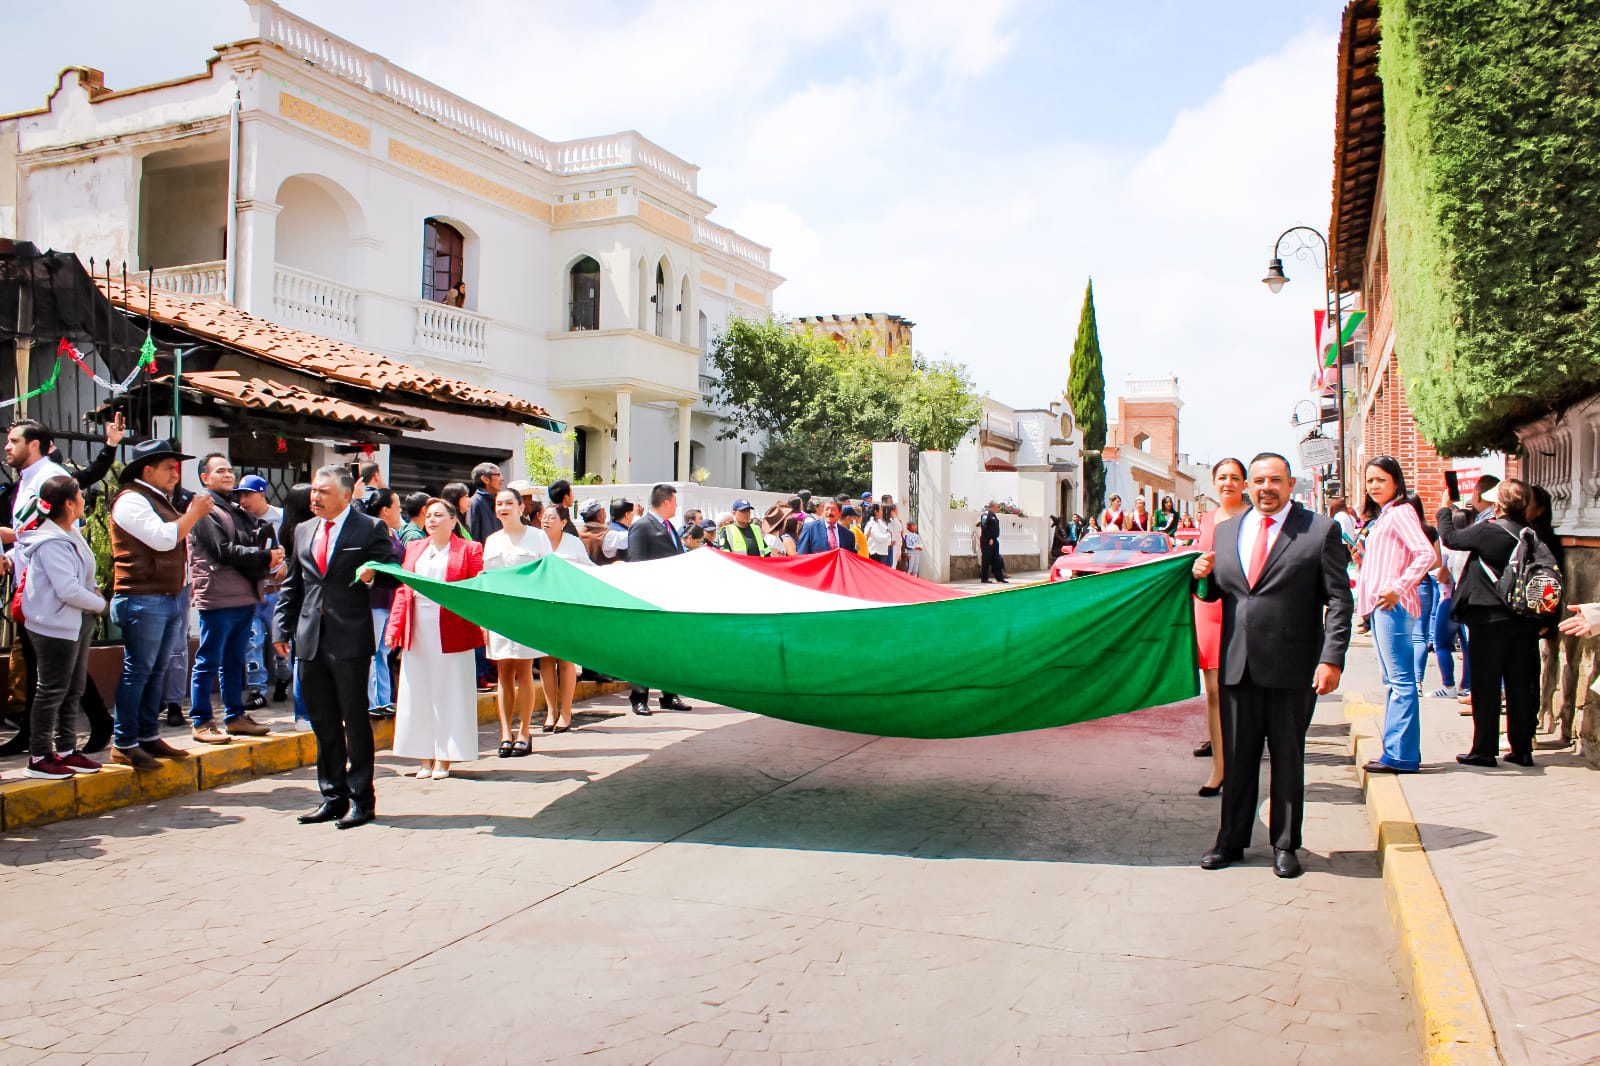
[
  {"x": 1258, "y": 554},
  {"x": 833, "y": 535},
  {"x": 322, "y": 547}
]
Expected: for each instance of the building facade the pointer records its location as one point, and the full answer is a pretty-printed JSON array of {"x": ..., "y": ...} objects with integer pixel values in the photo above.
[
  {"x": 1143, "y": 457},
  {"x": 312, "y": 183},
  {"x": 1027, "y": 458},
  {"x": 889, "y": 333}
]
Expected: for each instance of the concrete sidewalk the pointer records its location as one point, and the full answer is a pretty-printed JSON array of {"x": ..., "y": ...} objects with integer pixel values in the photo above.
[{"x": 1515, "y": 853}]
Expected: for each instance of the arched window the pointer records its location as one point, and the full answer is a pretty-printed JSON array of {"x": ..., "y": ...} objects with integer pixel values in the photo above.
[
  {"x": 443, "y": 255},
  {"x": 660, "y": 299},
  {"x": 1142, "y": 442},
  {"x": 584, "y": 295},
  {"x": 705, "y": 334}
]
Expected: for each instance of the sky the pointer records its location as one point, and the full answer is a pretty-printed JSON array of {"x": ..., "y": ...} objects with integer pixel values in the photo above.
[{"x": 969, "y": 164}]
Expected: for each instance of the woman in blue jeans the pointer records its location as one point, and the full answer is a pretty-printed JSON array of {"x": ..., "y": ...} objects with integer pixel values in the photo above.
[{"x": 1396, "y": 558}]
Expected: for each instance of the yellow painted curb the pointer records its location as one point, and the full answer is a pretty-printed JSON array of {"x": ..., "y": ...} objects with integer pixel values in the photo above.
[
  {"x": 1451, "y": 1017},
  {"x": 223, "y": 764},
  {"x": 107, "y": 790},
  {"x": 25, "y": 802}
]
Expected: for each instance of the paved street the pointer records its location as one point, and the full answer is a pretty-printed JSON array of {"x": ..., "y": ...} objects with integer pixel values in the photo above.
[{"x": 713, "y": 887}]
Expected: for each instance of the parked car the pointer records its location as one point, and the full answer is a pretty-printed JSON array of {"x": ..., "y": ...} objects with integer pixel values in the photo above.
[{"x": 1098, "y": 553}]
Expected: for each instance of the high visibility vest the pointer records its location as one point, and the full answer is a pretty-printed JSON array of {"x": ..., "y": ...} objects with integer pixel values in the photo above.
[{"x": 733, "y": 540}]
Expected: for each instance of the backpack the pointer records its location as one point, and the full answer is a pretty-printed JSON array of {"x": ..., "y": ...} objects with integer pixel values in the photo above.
[{"x": 1530, "y": 584}]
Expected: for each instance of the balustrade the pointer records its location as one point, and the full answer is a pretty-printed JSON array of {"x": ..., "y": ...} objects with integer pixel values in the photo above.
[
  {"x": 316, "y": 304},
  {"x": 453, "y": 332},
  {"x": 195, "y": 279}
]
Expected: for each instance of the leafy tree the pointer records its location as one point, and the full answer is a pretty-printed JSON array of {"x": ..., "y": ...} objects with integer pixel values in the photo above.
[
  {"x": 1086, "y": 393},
  {"x": 821, "y": 404},
  {"x": 541, "y": 462}
]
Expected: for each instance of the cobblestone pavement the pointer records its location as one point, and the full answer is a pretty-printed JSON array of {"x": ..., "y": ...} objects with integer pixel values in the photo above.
[
  {"x": 713, "y": 887},
  {"x": 1516, "y": 853}
]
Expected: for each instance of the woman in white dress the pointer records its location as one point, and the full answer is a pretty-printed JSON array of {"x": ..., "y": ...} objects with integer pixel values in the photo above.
[
  {"x": 559, "y": 677},
  {"x": 436, "y": 712},
  {"x": 514, "y": 545}
]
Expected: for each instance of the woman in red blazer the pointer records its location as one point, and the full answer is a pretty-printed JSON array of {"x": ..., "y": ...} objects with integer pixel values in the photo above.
[{"x": 436, "y": 711}]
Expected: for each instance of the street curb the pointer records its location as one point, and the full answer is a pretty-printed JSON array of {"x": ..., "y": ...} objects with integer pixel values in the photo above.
[
  {"x": 25, "y": 802},
  {"x": 1450, "y": 1014}
]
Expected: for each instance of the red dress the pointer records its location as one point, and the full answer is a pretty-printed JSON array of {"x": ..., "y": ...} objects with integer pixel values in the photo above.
[{"x": 1208, "y": 616}]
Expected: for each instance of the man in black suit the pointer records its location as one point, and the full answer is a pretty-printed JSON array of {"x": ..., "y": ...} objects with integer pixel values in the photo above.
[
  {"x": 328, "y": 612},
  {"x": 1280, "y": 572},
  {"x": 991, "y": 562},
  {"x": 653, "y": 537}
]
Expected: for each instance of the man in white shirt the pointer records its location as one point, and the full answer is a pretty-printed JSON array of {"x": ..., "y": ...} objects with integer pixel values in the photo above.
[
  {"x": 149, "y": 554},
  {"x": 614, "y": 545},
  {"x": 28, "y": 453}
]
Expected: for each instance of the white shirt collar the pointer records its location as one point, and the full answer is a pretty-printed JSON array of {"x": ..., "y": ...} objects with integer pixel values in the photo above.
[{"x": 338, "y": 526}]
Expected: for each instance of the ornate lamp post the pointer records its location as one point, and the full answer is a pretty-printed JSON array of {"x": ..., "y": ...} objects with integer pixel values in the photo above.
[{"x": 1276, "y": 279}]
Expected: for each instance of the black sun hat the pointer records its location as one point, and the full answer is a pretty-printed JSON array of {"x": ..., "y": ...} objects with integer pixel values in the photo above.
[{"x": 146, "y": 452}]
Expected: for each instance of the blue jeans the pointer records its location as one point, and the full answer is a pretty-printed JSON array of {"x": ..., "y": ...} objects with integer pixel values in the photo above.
[
  {"x": 150, "y": 626},
  {"x": 1444, "y": 643},
  {"x": 1395, "y": 634},
  {"x": 224, "y": 644},
  {"x": 175, "y": 687},
  {"x": 380, "y": 690},
  {"x": 1428, "y": 599},
  {"x": 300, "y": 712},
  {"x": 262, "y": 664}
]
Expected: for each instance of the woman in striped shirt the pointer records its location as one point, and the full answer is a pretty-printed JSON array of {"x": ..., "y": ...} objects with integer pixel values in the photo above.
[{"x": 1395, "y": 559}]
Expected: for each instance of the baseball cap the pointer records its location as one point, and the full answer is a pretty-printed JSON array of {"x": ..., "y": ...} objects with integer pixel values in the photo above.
[
  {"x": 743, "y": 505},
  {"x": 866, "y": 495},
  {"x": 708, "y": 525},
  {"x": 590, "y": 509},
  {"x": 251, "y": 483}
]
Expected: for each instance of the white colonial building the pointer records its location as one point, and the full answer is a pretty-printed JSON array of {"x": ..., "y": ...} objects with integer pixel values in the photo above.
[
  {"x": 1026, "y": 457},
  {"x": 310, "y": 182}
]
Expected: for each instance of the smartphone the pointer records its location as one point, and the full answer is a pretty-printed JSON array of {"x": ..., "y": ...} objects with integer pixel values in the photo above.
[{"x": 1452, "y": 485}]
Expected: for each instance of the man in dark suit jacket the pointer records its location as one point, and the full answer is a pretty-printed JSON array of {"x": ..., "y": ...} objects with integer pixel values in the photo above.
[
  {"x": 991, "y": 562},
  {"x": 825, "y": 535},
  {"x": 328, "y": 613},
  {"x": 653, "y": 537},
  {"x": 1280, "y": 572}
]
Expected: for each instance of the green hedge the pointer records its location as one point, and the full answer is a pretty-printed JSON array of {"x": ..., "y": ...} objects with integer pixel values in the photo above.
[{"x": 1492, "y": 181}]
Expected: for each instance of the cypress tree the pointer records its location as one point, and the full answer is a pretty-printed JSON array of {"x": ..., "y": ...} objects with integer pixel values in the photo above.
[{"x": 1086, "y": 394}]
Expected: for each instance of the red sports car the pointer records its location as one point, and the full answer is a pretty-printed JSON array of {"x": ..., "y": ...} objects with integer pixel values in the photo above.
[{"x": 1100, "y": 552}]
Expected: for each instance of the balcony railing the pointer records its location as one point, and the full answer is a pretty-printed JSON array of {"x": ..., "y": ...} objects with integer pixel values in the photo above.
[
  {"x": 194, "y": 279},
  {"x": 310, "y": 42},
  {"x": 452, "y": 332},
  {"x": 727, "y": 241},
  {"x": 308, "y": 302}
]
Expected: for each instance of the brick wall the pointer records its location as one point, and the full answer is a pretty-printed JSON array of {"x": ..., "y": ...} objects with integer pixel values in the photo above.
[{"x": 1390, "y": 429}]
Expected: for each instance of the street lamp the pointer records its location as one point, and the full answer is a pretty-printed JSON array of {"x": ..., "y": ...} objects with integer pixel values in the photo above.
[{"x": 1276, "y": 279}]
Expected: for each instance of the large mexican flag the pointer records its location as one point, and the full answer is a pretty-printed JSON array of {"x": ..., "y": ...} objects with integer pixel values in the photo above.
[{"x": 842, "y": 642}]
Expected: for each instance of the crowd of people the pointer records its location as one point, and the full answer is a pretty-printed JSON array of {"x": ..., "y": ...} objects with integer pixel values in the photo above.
[
  {"x": 288, "y": 611},
  {"x": 1481, "y": 580}
]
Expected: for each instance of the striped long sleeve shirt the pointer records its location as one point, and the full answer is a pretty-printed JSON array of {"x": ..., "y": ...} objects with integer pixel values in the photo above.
[{"x": 1398, "y": 555}]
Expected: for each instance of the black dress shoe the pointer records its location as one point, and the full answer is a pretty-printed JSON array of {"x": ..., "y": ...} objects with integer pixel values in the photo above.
[
  {"x": 175, "y": 715},
  {"x": 1210, "y": 791},
  {"x": 1220, "y": 858},
  {"x": 357, "y": 815},
  {"x": 1477, "y": 760},
  {"x": 328, "y": 812},
  {"x": 1203, "y": 751},
  {"x": 280, "y": 691},
  {"x": 1520, "y": 760},
  {"x": 642, "y": 709},
  {"x": 1286, "y": 863},
  {"x": 674, "y": 703}
]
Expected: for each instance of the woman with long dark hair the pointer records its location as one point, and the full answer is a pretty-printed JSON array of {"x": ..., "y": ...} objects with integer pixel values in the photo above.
[
  {"x": 1397, "y": 555},
  {"x": 459, "y": 496},
  {"x": 1505, "y": 646},
  {"x": 1228, "y": 478}
]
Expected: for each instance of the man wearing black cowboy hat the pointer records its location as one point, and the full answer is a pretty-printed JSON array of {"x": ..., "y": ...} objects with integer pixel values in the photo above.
[{"x": 149, "y": 557}]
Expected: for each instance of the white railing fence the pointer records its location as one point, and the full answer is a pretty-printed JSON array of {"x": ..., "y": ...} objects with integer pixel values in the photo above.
[
  {"x": 313, "y": 303},
  {"x": 727, "y": 241},
  {"x": 453, "y": 332},
  {"x": 1018, "y": 536},
  {"x": 194, "y": 279}
]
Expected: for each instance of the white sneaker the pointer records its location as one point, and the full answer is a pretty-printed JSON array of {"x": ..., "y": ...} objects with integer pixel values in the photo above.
[{"x": 1448, "y": 692}]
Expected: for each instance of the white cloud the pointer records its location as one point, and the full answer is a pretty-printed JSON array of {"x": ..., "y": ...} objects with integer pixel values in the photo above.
[{"x": 989, "y": 252}]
